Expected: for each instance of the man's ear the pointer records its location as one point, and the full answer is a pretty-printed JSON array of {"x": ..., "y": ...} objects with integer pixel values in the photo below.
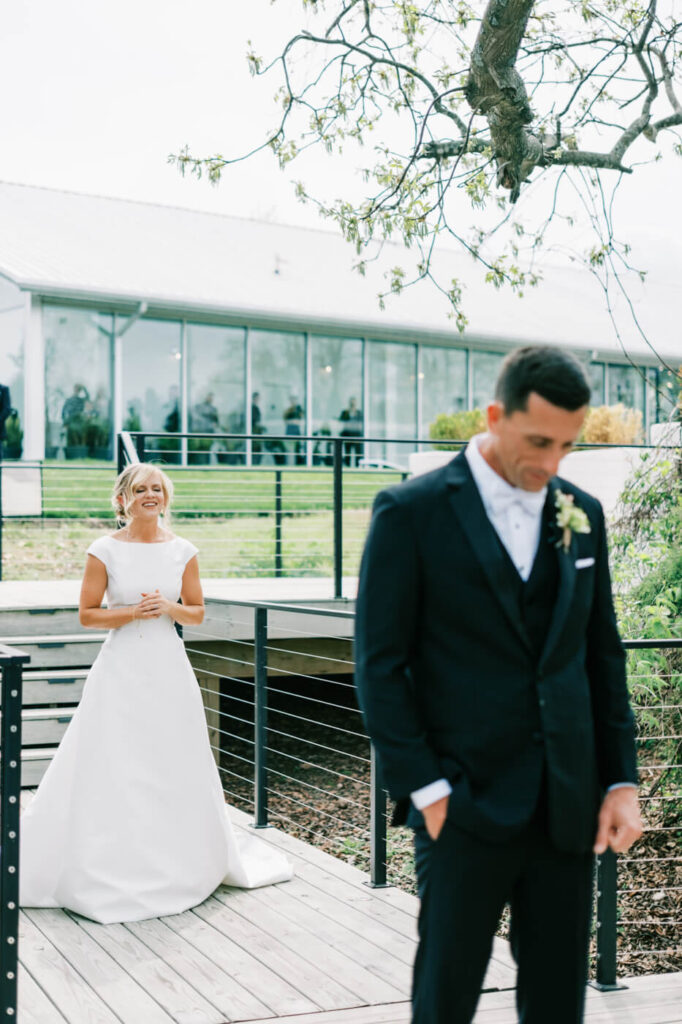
[{"x": 494, "y": 412}]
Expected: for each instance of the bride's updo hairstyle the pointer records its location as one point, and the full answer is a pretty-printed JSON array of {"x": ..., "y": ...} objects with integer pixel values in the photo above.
[{"x": 126, "y": 482}]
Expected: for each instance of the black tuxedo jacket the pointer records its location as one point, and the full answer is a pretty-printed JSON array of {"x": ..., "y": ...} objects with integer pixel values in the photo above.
[{"x": 447, "y": 679}]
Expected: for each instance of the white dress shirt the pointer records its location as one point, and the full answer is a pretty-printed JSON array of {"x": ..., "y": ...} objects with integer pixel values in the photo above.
[{"x": 517, "y": 518}]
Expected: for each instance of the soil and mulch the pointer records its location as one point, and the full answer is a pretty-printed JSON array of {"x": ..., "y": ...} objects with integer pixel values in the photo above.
[{"x": 319, "y": 790}]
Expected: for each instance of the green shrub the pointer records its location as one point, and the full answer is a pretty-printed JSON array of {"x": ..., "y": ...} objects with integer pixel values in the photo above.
[{"x": 457, "y": 426}]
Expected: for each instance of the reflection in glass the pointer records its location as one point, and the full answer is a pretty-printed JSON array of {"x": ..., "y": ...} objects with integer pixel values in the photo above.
[
  {"x": 216, "y": 375},
  {"x": 78, "y": 383},
  {"x": 485, "y": 368},
  {"x": 278, "y": 375},
  {"x": 663, "y": 393},
  {"x": 151, "y": 382},
  {"x": 444, "y": 383},
  {"x": 393, "y": 398},
  {"x": 626, "y": 385},
  {"x": 336, "y": 367},
  {"x": 12, "y": 306},
  {"x": 595, "y": 378}
]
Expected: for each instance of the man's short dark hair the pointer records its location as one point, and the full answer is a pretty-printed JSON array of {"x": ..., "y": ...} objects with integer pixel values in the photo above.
[{"x": 554, "y": 375}]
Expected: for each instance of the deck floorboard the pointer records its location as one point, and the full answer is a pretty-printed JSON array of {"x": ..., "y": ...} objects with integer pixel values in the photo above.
[{"x": 324, "y": 948}]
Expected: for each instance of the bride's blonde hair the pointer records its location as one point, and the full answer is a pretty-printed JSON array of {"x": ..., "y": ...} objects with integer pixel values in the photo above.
[{"x": 126, "y": 482}]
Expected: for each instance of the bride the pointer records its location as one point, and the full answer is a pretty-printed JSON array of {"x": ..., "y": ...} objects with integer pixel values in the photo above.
[{"x": 129, "y": 821}]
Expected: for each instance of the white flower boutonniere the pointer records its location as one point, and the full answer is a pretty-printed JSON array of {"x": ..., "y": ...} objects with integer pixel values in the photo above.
[{"x": 569, "y": 518}]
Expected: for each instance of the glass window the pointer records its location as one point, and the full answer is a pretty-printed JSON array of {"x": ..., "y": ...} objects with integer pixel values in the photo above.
[
  {"x": 78, "y": 379},
  {"x": 336, "y": 386},
  {"x": 12, "y": 311},
  {"x": 595, "y": 378},
  {"x": 278, "y": 394},
  {"x": 151, "y": 358},
  {"x": 626, "y": 385},
  {"x": 485, "y": 368},
  {"x": 444, "y": 383},
  {"x": 663, "y": 390},
  {"x": 393, "y": 398},
  {"x": 216, "y": 375}
]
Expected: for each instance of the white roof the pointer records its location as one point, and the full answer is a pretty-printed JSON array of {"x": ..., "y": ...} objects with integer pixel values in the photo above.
[{"x": 117, "y": 252}]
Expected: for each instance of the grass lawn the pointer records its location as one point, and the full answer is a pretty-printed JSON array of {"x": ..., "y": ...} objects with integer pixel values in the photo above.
[
  {"x": 84, "y": 488},
  {"x": 238, "y": 545}
]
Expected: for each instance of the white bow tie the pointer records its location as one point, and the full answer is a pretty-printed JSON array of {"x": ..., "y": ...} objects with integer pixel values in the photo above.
[{"x": 530, "y": 502}]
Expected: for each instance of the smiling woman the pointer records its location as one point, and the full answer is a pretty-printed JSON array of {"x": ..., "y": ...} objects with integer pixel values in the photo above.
[{"x": 132, "y": 808}]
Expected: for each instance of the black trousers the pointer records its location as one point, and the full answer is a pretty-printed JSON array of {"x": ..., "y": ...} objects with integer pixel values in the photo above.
[{"x": 464, "y": 884}]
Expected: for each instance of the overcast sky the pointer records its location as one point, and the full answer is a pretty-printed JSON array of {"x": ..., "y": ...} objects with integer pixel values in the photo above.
[{"x": 95, "y": 97}]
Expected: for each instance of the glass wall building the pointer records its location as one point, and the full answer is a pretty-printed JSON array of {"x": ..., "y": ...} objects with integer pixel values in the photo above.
[
  {"x": 168, "y": 321},
  {"x": 103, "y": 373}
]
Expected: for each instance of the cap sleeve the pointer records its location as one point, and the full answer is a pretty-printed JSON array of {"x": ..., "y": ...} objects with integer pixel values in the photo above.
[
  {"x": 187, "y": 551},
  {"x": 100, "y": 549}
]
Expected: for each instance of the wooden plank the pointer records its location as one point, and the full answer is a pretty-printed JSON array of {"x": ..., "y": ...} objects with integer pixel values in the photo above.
[
  {"x": 34, "y": 764},
  {"x": 58, "y": 979},
  {"x": 403, "y": 901},
  {"x": 363, "y": 986},
  {"x": 34, "y": 1007},
  {"x": 338, "y": 909},
  {"x": 499, "y": 1008},
  {"x": 225, "y": 993},
  {"x": 353, "y": 943},
  {"x": 97, "y": 969},
  {"x": 44, "y": 726},
  {"x": 252, "y": 974},
  {"x": 323, "y": 992},
  {"x": 58, "y": 686},
  {"x": 179, "y": 999},
  {"x": 394, "y": 1013},
  {"x": 396, "y": 908}
]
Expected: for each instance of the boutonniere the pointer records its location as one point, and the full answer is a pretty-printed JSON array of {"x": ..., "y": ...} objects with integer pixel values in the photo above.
[{"x": 569, "y": 518}]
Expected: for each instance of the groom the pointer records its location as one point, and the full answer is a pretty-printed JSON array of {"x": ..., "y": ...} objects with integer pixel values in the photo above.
[{"x": 492, "y": 679}]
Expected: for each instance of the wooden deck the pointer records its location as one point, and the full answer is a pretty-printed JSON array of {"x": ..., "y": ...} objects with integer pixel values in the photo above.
[{"x": 321, "y": 949}]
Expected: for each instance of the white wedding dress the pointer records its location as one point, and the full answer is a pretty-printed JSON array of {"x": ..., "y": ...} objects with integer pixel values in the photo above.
[{"x": 130, "y": 821}]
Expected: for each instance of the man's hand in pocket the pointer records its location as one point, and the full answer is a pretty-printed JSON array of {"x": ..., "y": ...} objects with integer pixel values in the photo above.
[{"x": 435, "y": 815}]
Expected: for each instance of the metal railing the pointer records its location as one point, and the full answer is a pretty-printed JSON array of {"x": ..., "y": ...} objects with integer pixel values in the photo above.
[
  {"x": 270, "y": 506},
  {"x": 291, "y": 748},
  {"x": 11, "y": 667}
]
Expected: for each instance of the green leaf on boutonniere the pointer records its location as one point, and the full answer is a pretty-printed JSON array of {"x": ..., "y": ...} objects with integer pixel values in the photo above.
[{"x": 570, "y": 519}]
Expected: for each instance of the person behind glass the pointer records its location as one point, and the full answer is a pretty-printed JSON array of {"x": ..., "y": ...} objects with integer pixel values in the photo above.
[
  {"x": 256, "y": 428},
  {"x": 205, "y": 416},
  {"x": 171, "y": 411},
  {"x": 352, "y": 417},
  {"x": 5, "y": 413},
  {"x": 74, "y": 406},
  {"x": 293, "y": 422}
]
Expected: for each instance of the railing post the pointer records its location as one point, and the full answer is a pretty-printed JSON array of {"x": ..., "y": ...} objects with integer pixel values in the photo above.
[
  {"x": 278, "y": 522},
  {"x": 139, "y": 445},
  {"x": 338, "y": 516},
  {"x": 120, "y": 455},
  {"x": 2, "y": 518},
  {"x": 260, "y": 778},
  {"x": 378, "y": 846},
  {"x": 607, "y": 919},
  {"x": 10, "y": 790}
]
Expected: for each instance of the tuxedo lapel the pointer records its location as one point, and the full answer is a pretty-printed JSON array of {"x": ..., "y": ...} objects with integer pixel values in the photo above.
[
  {"x": 567, "y": 574},
  {"x": 466, "y": 502}
]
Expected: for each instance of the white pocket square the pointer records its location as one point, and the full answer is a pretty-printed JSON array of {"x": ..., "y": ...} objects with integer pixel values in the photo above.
[{"x": 584, "y": 563}]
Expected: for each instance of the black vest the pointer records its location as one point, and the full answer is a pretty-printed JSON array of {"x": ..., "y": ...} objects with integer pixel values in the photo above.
[{"x": 537, "y": 596}]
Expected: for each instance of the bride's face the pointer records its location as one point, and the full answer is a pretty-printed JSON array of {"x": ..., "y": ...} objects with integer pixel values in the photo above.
[{"x": 148, "y": 500}]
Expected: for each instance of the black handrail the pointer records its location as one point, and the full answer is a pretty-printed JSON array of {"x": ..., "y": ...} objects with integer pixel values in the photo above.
[{"x": 11, "y": 667}]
